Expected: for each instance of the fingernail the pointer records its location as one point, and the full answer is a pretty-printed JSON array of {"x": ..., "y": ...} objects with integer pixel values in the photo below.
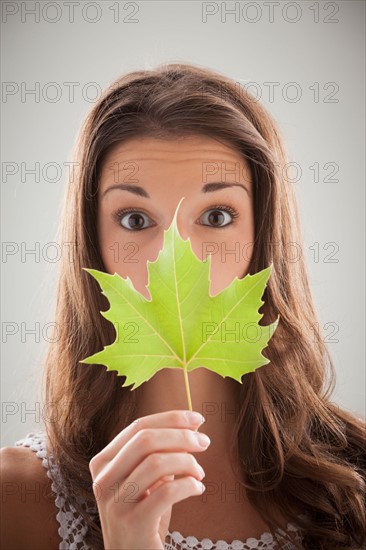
[
  {"x": 200, "y": 485},
  {"x": 195, "y": 417},
  {"x": 202, "y": 471},
  {"x": 202, "y": 439}
]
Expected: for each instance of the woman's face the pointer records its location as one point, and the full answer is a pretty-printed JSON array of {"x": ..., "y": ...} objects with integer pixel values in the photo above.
[{"x": 216, "y": 214}]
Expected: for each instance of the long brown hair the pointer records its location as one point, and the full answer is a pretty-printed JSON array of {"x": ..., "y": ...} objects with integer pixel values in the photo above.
[{"x": 297, "y": 449}]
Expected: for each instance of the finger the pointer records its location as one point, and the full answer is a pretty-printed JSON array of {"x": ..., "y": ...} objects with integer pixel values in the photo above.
[
  {"x": 167, "y": 419},
  {"x": 160, "y": 482},
  {"x": 144, "y": 444},
  {"x": 159, "y": 465},
  {"x": 151, "y": 489},
  {"x": 167, "y": 494}
]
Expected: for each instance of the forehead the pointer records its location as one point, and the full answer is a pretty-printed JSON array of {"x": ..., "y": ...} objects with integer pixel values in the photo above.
[{"x": 196, "y": 156}]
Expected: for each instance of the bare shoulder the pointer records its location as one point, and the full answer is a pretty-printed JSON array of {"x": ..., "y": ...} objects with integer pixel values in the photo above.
[{"x": 28, "y": 509}]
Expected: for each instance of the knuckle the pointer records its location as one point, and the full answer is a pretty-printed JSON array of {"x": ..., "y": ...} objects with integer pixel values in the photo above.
[
  {"x": 156, "y": 461},
  {"x": 93, "y": 463},
  {"x": 187, "y": 438},
  {"x": 95, "y": 487},
  {"x": 98, "y": 490},
  {"x": 167, "y": 489},
  {"x": 137, "y": 424},
  {"x": 98, "y": 482},
  {"x": 145, "y": 437},
  {"x": 193, "y": 463},
  {"x": 175, "y": 418}
]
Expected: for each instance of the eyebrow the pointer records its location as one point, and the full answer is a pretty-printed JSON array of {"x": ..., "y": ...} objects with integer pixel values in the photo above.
[{"x": 140, "y": 191}]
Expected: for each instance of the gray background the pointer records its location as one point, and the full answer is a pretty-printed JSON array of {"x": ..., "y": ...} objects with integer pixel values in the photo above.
[{"x": 316, "y": 52}]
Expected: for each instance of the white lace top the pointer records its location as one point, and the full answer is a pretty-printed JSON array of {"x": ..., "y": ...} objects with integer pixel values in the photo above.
[{"x": 72, "y": 528}]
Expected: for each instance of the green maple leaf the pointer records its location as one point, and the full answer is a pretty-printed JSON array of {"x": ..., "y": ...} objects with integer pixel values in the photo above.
[{"x": 182, "y": 326}]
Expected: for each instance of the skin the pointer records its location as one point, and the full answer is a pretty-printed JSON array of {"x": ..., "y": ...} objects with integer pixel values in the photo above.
[
  {"x": 177, "y": 165},
  {"x": 168, "y": 170}
]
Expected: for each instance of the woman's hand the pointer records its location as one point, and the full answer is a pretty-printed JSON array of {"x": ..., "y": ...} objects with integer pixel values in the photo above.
[{"x": 134, "y": 482}]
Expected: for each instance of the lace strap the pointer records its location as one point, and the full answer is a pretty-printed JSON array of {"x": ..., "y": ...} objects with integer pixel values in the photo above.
[
  {"x": 175, "y": 540},
  {"x": 72, "y": 527}
]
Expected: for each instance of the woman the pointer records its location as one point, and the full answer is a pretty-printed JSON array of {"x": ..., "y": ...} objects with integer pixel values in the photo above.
[{"x": 285, "y": 467}]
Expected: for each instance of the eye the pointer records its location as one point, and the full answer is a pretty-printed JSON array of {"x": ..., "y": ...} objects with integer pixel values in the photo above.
[
  {"x": 216, "y": 217},
  {"x": 134, "y": 222}
]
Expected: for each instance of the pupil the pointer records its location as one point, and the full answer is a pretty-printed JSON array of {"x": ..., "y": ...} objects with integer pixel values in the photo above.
[
  {"x": 134, "y": 224},
  {"x": 216, "y": 213}
]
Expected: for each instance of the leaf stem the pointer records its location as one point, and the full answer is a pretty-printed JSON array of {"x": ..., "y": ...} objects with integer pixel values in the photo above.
[{"x": 187, "y": 388}]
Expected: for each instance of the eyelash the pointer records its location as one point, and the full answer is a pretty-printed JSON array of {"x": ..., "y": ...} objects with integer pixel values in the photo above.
[{"x": 118, "y": 215}]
